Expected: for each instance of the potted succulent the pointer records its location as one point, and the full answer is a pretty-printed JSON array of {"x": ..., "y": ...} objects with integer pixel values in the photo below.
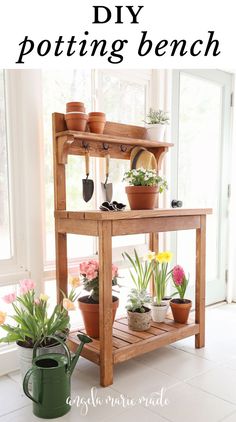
[
  {"x": 144, "y": 186},
  {"x": 180, "y": 307},
  {"x": 160, "y": 305},
  {"x": 156, "y": 124},
  {"x": 89, "y": 304},
  {"x": 32, "y": 321},
  {"x": 139, "y": 315}
]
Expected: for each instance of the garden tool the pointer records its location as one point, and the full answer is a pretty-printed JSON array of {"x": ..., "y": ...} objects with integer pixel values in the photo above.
[
  {"x": 88, "y": 185},
  {"x": 51, "y": 380},
  {"x": 107, "y": 187}
]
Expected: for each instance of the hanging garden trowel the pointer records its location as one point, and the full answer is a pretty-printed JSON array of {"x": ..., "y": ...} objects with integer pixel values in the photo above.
[
  {"x": 88, "y": 185},
  {"x": 107, "y": 187}
]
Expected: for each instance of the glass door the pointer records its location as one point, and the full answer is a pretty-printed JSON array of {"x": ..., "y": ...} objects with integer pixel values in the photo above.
[{"x": 201, "y": 133}]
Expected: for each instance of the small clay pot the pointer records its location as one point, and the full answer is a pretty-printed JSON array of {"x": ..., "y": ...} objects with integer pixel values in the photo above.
[
  {"x": 76, "y": 121},
  {"x": 74, "y": 106},
  {"x": 142, "y": 197},
  {"x": 180, "y": 310},
  {"x": 96, "y": 122},
  {"x": 90, "y": 313},
  {"x": 139, "y": 321},
  {"x": 159, "y": 312}
]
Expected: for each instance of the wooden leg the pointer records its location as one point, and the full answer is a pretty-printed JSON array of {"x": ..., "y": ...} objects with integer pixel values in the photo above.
[
  {"x": 61, "y": 264},
  {"x": 153, "y": 246},
  {"x": 200, "y": 282},
  {"x": 105, "y": 303}
]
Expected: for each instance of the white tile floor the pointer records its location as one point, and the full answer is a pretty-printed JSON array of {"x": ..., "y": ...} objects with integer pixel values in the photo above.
[{"x": 198, "y": 385}]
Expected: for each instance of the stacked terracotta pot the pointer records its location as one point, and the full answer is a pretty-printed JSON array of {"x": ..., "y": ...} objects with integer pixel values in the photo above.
[
  {"x": 77, "y": 119},
  {"x": 96, "y": 122}
]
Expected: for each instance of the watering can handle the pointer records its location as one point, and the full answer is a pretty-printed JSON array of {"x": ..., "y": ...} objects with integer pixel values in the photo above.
[
  {"x": 59, "y": 340},
  {"x": 26, "y": 384}
]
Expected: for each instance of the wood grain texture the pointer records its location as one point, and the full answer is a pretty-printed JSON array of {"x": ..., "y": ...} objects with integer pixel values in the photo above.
[
  {"x": 88, "y": 228},
  {"x": 148, "y": 225},
  {"x": 200, "y": 283},
  {"x": 105, "y": 303}
]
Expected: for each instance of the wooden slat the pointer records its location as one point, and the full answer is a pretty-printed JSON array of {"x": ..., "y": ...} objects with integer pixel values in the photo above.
[
  {"x": 163, "y": 326},
  {"x": 154, "y": 342},
  {"x": 165, "y": 224},
  {"x": 125, "y": 336},
  {"x": 123, "y": 327},
  {"x": 132, "y": 214},
  {"x": 82, "y": 227},
  {"x": 152, "y": 330}
]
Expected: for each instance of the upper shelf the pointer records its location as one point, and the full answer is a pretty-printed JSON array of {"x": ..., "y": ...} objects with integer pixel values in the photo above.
[{"x": 118, "y": 140}]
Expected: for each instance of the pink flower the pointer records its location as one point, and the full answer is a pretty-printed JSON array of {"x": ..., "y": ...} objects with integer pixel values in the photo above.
[
  {"x": 178, "y": 275},
  {"x": 37, "y": 301},
  {"x": 91, "y": 274},
  {"x": 114, "y": 271},
  {"x": 9, "y": 298},
  {"x": 83, "y": 267},
  {"x": 26, "y": 285}
]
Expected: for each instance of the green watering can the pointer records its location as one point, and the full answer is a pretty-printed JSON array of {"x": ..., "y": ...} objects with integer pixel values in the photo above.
[{"x": 51, "y": 375}]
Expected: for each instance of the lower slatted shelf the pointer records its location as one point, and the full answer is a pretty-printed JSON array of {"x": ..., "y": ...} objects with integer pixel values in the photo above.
[{"x": 127, "y": 343}]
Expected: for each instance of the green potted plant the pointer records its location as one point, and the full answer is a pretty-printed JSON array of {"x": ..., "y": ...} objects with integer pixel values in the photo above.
[
  {"x": 159, "y": 305},
  {"x": 89, "y": 304},
  {"x": 139, "y": 315},
  {"x": 180, "y": 307},
  {"x": 156, "y": 124},
  {"x": 144, "y": 186},
  {"x": 32, "y": 321}
]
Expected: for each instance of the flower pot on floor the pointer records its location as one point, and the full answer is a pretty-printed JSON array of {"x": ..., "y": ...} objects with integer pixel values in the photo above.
[
  {"x": 142, "y": 197},
  {"x": 90, "y": 313},
  {"x": 96, "y": 122},
  {"x": 75, "y": 106},
  {"x": 180, "y": 310},
  {"x": 76, "y": 121},
  {"x": 156, "y": 132},
  {"x": 139, "y": 321},
  {"x": 159, "y": 312}
]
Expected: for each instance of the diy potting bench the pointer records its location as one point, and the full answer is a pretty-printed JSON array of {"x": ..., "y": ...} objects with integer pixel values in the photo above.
[{"x": 118, "y": 343}]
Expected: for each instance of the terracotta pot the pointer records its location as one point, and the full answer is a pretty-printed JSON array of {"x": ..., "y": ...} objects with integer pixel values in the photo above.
[
  {"x": 75, "y": 106},
  {"x": 90, "y": 313},
  {"x": 96, "y": 122},
  {"x": 76, "y": 121},
  {"x": 142, "y": 197},
  {"x": 180, "y": 310},
  {"x": 138, "y": 321}
]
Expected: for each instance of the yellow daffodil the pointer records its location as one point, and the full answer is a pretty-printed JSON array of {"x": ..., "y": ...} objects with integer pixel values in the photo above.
[
  {"x": 74, "y": 281},
  {"x": 68, "y": 304},
  {"x": 3, "y": 316},
  {"x": 164, "y": 257},
  {"x": 149, "y": 256},
  {"x": 168, "y": 256},
  {"x": 43, "y": 297}
]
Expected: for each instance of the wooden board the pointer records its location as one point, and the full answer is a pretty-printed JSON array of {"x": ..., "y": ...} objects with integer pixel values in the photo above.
[{"x": 127, "y": 343}]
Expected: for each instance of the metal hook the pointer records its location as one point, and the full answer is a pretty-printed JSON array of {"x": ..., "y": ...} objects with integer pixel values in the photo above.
[
  {"x": 105, "y": 146},
  {"x": 85, "y": 145},
  {"x": 123, "y": 148}
]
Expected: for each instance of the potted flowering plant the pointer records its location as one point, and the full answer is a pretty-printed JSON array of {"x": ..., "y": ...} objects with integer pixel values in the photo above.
[
  {"x": 139, "y": 315},
  {"x": 143, "y": 188},
  {"x": 32, "y": 321},
  {"x": 89, "y": 305},
  {"x": 159, "y": 305},
  {"x": 156, "y": 124},
  {"x": 180, "y": 307}
]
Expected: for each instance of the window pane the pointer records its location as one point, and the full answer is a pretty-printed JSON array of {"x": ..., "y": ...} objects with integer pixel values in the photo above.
[
  {"x": 5, "y": 237},
  {"x": 59, "y": 87},
  {"x": 123, "y": 101}
]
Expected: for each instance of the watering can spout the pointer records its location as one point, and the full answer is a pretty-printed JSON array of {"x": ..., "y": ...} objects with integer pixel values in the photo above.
[{"x": 83, "y": 340}]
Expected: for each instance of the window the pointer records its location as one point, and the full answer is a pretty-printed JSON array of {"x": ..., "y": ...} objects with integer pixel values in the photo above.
[
  {"x": 123, "y": 97},
  {"x": 5, "y": 225}
]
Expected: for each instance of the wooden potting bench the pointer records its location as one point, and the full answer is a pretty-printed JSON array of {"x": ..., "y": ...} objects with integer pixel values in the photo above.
[{"x": 119, "y": 343}]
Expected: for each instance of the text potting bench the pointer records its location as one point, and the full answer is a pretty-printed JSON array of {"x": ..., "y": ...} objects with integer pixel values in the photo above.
[{"x": 119, "y": 343}]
